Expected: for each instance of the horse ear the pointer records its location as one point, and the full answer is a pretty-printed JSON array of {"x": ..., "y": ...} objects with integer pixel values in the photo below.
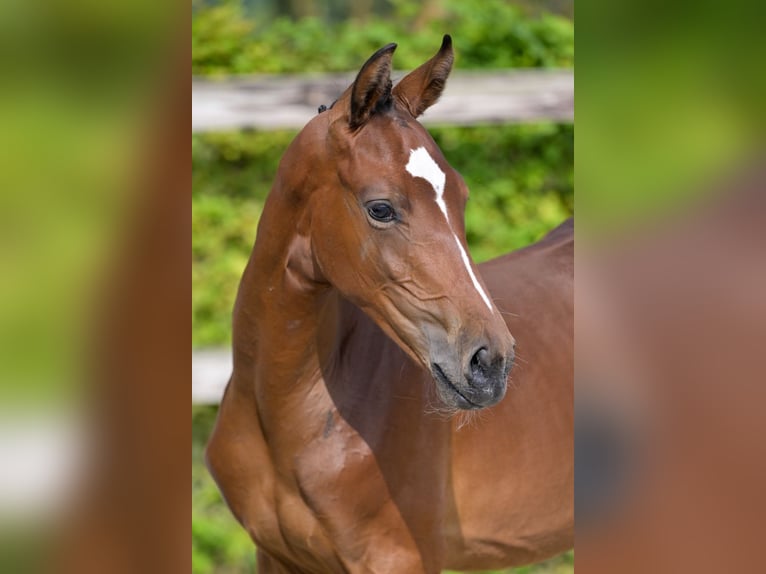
[
  {"x": 420, "y": 89},
  {"x": 372, "y": 87}
]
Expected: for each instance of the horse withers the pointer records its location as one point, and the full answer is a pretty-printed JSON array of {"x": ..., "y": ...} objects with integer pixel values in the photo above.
[{"x": 364, "y": 335}]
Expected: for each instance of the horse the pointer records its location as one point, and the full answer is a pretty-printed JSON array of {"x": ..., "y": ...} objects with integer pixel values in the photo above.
[{"x": 368, "y": 424}]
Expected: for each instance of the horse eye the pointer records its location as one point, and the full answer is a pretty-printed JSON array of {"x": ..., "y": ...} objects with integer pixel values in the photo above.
[{"x": 381, "y": 211}]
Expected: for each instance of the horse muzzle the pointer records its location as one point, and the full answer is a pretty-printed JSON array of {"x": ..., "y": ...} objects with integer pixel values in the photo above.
[{"x": 476, "y": 382}]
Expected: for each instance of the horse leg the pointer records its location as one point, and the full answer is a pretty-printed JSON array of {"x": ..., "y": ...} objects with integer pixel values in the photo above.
[{"x": 410, "y": 564}]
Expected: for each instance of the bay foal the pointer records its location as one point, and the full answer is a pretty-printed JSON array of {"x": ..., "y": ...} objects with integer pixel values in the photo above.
[{"x": 360, "y": 321}]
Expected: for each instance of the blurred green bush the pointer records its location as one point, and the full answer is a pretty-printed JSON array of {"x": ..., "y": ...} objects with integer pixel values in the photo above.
[
  {"x": 487, "y": 34},
  {"x": 219, "y": 543}
]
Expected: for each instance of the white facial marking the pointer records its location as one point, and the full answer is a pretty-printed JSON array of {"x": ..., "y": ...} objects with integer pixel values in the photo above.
[
  {"x": 467, "y": 264},
  {"x": 421, "y": 164}
]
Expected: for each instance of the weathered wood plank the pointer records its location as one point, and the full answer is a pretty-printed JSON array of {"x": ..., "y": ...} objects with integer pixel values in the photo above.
[
  {"x": 211, "y": 369},
  {"x": 275, "y": 102}
]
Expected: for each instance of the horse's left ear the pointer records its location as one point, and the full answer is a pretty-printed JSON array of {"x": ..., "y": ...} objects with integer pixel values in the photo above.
[
  {"x": 420, "y": 89},
  {"x": 372, "y": 86}
]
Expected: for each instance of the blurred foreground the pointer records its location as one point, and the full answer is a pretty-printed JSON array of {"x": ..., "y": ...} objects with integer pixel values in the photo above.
[
  {"x": 94, "y": 293},
  {"x": 670, "y": 288}
]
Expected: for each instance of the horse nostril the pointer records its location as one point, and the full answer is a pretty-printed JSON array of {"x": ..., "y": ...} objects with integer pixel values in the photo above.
[{"x": 480, "y": 360}]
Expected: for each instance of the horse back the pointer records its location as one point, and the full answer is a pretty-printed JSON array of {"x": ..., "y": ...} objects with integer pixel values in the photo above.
[{"x": 525, "y": 442}]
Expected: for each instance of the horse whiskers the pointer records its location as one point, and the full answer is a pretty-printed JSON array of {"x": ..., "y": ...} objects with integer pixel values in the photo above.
[
  {"x": 461, "y": 418},
  {"x": 510, "y": 314},
  {"x": 517, "y": 367},
  {"x": 435, "y": 406},
  {"x": 465, "y": 419},
  {"x": 443, "y": 412},
  {"x": 521, "y": 359},
  {"x": 497, "y": 301},
  {"x": 479, "y": 416}
]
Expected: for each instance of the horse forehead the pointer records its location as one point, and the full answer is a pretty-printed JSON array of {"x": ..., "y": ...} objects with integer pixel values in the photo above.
[
  {"x": 393, "y": 137},
  {"x": 385, "y": 150},
  {"x": 421, "y": 163}
]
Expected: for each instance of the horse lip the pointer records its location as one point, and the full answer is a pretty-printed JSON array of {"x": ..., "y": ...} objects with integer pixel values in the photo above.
[{"x": 440, "y": 376}]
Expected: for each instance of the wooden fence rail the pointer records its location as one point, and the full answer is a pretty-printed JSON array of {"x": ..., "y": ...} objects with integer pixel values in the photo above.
[
  {"x": 275, "y": 102},
  {"x": 211, "y": 369}
]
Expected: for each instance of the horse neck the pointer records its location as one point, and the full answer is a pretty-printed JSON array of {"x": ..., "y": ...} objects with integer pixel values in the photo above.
[
  {"x": 278, "y": 305},
  {"x": 305, "y": 351}
]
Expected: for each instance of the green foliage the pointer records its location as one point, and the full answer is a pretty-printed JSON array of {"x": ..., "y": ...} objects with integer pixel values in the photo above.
[
  {"x": 223, "y": 230},
  {"x": 219, "y": 543},
  {"x": 496, "y": 34},
  {"x": 521, "y": 181},
  {"x": 520, "y": 177},
  {"x": 487, "y": 33},
  {"x": 231, "y": 176}
]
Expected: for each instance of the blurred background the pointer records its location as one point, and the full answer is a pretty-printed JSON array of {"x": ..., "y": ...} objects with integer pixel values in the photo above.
[
  {"x": 260, "y": 70},
  {"x": 83, "y": 91},
  {"x": 670, "y": 291}
]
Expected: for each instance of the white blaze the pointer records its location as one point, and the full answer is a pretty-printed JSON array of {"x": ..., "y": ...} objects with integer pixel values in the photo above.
[{"x": 421, "y": 164}]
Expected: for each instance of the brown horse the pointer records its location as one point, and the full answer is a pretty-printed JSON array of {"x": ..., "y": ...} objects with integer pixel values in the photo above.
[{"x": 359, "y": 300}]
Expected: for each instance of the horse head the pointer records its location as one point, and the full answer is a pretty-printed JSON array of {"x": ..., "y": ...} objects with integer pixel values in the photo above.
[{"x": 382, "y": 215}]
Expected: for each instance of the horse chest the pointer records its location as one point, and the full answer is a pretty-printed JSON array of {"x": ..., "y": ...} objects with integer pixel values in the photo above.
[
  {"x": 336, "y": 471},
  {"x": 363, "y": 493},
  {"x": 334, "y": 513}
]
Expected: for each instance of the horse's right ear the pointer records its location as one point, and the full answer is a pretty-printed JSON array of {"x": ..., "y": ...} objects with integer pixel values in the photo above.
[
  {"x": 420, "y": 89},
  {"x": 372, "y": 87}
]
